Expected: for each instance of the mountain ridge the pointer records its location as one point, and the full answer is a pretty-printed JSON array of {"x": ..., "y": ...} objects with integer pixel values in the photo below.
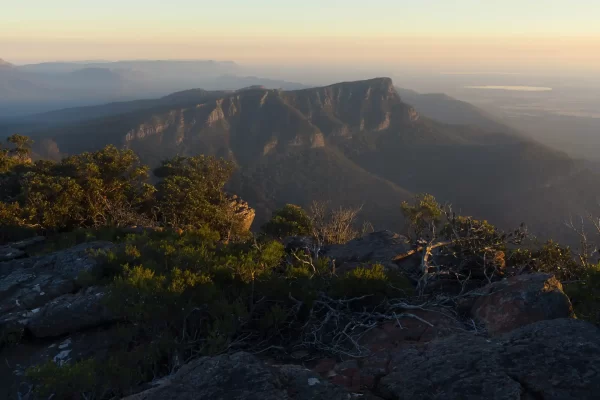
[{"x": 351, "y": 138}]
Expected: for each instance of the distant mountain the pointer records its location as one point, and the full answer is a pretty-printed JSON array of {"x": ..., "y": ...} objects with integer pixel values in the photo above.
[
  {"x": 169, "y": 67},
  {"x": 36, "y": 88},
  {"x": 444, "y": 108},
  {"x": 354, "y": 143},
  {"x": 5, "y": 64}
]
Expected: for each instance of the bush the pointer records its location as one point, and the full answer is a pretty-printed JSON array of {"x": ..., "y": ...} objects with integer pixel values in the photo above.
[
  {"x": 585, "y": 294},
  {"x": 291, "y": 220},
  {"x": 69, "y": 381},
  {"x": 111, "y": 188}
]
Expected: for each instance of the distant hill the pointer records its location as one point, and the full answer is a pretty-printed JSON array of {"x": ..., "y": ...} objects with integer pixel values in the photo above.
[{"x": 354, "y": 143}]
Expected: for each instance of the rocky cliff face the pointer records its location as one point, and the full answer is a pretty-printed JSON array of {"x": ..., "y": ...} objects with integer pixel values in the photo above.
[
  {"x": 343, "y": 108},
  {"x": 256, "y": 121}
]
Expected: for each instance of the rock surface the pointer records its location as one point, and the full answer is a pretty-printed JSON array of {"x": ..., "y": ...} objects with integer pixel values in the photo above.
[
  {"x": 241, "y": 376},
  {"x": 242, "y": 212},
  {"x": 16, "y": 250},
  {"x": 41, "y": 299},
  {"x": 377, "y": 247},
  {"x": 29, "y": 283},
  {"x": 556, "y": 359},
  {"x": 38, "y": 295},
  {"x": 70, "y": 313},
  {"x": 521, "y": 300}
]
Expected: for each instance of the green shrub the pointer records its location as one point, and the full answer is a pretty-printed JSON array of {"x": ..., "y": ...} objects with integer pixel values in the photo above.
[
  {"x": 291, "y": 220},
  {"x": 68, "y": 381},
  {"x": 585, "y": 294}
]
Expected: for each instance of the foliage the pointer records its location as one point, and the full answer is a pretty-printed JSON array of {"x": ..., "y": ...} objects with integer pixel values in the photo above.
[
  {"x": 455, "y": 245},
  {"x": 190, "y": 194},
  {"x": 189, "y": 290},
  {"x": 16, "y": 153},
  {"x": 373, "y": 281},
  {"x": 291, "y": 220},
  {"x": 425, "y": 212},
  {"x": 64, "y": 382},
  {"x": 181, "y": 295},
  {"x": 111, "y": 188},
  {"x": 585, "y": 294}
]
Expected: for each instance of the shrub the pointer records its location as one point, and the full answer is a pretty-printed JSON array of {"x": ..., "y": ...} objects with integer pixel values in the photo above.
[
  {"x": 69, "y": 381},
  {"x": 291, "y": 220}
]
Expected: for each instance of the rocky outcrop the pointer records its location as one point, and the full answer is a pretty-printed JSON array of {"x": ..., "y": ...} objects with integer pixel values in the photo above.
[
  {"x": 517, "y": 301},
  {"x": 17, "y": 249},
  {"x": 41, "y": 301},
  {"x": 377, "y": 247},
  {"x": 380, "y": 343},
  {"x": 70, "y": 313},
  {"x": 38, "y": 295},
  {"x": 241, "y": 376},
  {"x": 530, "y": 348},
  {"x": 242, "y": 213},
  {"x": 29, "y": 283},
  {"x": 557, "y": 359}
]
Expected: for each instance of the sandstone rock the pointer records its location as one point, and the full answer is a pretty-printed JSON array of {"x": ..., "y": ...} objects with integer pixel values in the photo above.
[
  {"x": 70, "y": 313},
  {"x": 555, "y": 359},
  {"x": 242, "y": 212},
  {"x": 241, "y": 376},
  {"x": 377, "y": 247},
  {"x": 521, "y": 300},
  {"x": 29, "y": 283}
]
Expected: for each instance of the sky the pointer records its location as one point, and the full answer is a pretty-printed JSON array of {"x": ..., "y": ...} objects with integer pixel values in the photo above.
[{"x": 449, "y": 35}]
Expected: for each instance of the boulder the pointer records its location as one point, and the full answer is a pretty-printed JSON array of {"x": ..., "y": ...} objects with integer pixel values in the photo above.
[
  {"x": 520, "y": 300},
  {"x": 241, "y": 376},
  {"x": 555, "y": 359},
  {"x": 377, "y": 247},
  {"x": 70, "y": 313}
]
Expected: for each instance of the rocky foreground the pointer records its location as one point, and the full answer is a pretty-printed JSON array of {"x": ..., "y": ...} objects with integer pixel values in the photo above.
[{"x": 518, "y": 339}]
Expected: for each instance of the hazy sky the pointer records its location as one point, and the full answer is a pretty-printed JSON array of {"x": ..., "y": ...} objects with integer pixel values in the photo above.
[{"x": 442, "y": 34}]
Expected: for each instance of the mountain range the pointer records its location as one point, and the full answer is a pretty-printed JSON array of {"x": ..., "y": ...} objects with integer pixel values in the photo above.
[
  {"x": 352, "y": 143},
  {"x": 35, "y": 88}
]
